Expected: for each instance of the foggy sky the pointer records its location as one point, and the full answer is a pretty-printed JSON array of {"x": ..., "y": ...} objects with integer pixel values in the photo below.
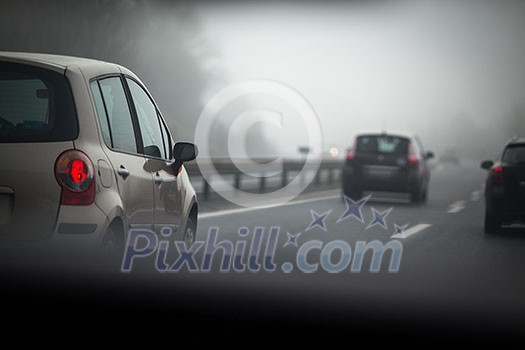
[{"x": 452, "y": 71}]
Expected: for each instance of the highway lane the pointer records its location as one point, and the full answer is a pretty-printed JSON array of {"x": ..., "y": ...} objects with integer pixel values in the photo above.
[
  {"x": 447, "y": 263},
  {"x": 452, "y": 278}
]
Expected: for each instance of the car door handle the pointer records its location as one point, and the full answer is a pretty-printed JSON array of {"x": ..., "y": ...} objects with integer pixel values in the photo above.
[
  {"x": 157, "y": 179},
  {"x": 123, "y": 171}
]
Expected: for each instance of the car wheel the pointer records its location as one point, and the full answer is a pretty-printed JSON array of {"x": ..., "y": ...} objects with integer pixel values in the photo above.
[
  {"x": 424, "y": 197},
  {"x": 189, "y": 233},
  {"x": 424, "y": 194},
  {"x": 354, "y": 194},
  {"x": 111, "y": 243},
  {"x": 492, "y": 222},
  {"x": 416, "y": 196},
  {"x": 112, "y": 249}
]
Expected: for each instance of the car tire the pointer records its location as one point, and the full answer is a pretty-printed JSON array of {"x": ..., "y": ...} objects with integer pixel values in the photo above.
[
  {"x": 112, "y": 249},
  {"x": 189, "y": 233},
  {"x": 354, "y": 194},
  {"x": 111, "y": 244},
  {"x": 424, "y": 196},
  {"x": 416, "y": 196},
  {"x": 492, "y": 222}
]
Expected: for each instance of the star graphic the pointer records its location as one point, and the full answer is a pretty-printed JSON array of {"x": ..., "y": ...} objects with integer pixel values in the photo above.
[
  {"x": 399, "y": 231},
  {"x": 379, "y": 218},
  {"x": 353, "y": 208},
  {"x": 318, "y": 220},
  {"x": 292, "y": 239}
]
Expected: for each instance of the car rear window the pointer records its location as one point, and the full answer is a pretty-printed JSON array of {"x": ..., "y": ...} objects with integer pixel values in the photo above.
[
  {"x": 36, "y": 105},
  {"x": 382, "y": 144},
  {"x": 514, "y": 154}
]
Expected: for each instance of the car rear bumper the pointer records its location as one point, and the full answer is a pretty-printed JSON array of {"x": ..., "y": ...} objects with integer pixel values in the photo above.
[
  {"x": 508, "y": 209},
  {"x": 80, "y": 225},
  {"x": 401, "y": 182}
]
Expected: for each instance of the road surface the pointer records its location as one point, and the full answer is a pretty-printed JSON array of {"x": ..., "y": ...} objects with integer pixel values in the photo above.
[{"x": 451, "y": 279}]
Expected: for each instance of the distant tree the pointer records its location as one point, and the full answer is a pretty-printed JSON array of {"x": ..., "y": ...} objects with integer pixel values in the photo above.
[{"x": 159, "y": 40}]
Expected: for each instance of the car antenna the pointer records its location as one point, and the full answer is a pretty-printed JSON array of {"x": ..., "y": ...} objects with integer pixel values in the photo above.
[{"x": 383, "y": 127}]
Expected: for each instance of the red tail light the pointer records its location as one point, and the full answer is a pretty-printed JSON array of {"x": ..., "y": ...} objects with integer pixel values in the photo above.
[
  {"x": 351, "y": 154},
  {"x": 75, "y": 173},
  {"x": 497, "y": 174},
  {"x": 412, "y": 156},
  {"x": 413, "y": 160}
]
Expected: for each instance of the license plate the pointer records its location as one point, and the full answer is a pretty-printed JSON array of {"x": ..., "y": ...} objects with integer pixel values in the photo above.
[
  {"x": 380, "y": 172},
  {"x": 6, "y": 207}
]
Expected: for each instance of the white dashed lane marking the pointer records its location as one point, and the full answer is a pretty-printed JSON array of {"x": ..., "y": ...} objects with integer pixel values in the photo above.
[
  {"x": 411, "y": 231},
  {"x": 244, "y": 210},
  {"x": 456, "y": 207},
  {"x": 475, "y": 196}
]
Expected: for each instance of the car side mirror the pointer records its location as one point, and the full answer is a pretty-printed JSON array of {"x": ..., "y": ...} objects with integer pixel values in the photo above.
[
  {"x": 429, "y": 155},
  {"x": 487, "y": 164},
  {"x": 183, "y": 152}
]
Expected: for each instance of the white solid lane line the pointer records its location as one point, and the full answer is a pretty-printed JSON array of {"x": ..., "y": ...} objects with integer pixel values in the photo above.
[
  {"x": 244, "y": 210},
  {"x": 456, "y": 207},
  {"x": 411, "y": 231}
]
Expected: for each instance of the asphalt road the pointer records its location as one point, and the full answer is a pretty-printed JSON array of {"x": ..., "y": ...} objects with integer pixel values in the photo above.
[
  {"x": 449, "y": 268},
  {"x": 452, "y": 278}
]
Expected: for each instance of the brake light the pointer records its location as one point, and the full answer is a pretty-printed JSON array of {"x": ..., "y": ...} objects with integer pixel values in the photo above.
[
  {"x": 497, "y": 174},
  {"x": 78, "y": 170},
  {"x": 75, "y": 173},
  {"x": 412, "y": 157},
  {"x": 351, "y": 154}
]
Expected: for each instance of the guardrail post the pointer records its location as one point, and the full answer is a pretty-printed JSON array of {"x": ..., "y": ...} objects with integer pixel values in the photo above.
[
  {"x": 206, "y": 189},
  {"x": 330, "y": 175},
  {"x": 238, "y": 181},
  {"x": 284, "y": 179},
  {"x": 262, "y": 184},
  {"x": 318, "y": 178}
]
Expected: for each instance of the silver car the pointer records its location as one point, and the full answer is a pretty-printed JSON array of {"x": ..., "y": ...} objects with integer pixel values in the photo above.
[{"x": 85, "y": 154}]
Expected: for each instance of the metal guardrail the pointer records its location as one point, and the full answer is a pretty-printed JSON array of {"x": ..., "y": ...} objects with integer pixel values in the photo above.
[{"x": 228, "y": 167}]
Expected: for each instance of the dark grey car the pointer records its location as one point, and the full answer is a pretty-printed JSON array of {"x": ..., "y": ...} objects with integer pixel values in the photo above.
[{"x": 390, "y": 162}]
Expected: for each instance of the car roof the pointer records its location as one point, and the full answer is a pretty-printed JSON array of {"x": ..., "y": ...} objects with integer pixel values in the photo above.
[
  {"x": 401, "y": 133},
  {"x": 55, "y": 62},
  {"x": 516, "y": 141}
]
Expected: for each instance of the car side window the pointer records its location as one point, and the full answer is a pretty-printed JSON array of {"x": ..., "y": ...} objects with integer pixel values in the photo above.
[
  {"x": 166, "y": 138},
  {"x": 101, "y": 113},
  {"x": 514, "y": 154},
  {"x": 149, "y": 123},
  {"x": 118, "y": 116},
  {"x": 418, "y": 147}
]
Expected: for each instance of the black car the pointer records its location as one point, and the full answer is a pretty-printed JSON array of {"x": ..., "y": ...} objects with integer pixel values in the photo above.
[
  {"x": 505, "y": 187},
  {"x": 391, "y": 162}
]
